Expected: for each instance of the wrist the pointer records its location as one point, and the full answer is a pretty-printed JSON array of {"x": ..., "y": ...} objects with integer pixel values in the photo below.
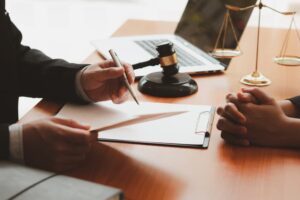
[
  {"x": 291, "y": 132},
  {"x": 289, "y": 108},
  {"x": 79, "y": 86}
]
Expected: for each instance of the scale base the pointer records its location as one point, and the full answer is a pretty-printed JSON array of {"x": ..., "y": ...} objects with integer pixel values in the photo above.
[
  {"x": 157, "y": 84},
  {"x": 255, "y": 79}
]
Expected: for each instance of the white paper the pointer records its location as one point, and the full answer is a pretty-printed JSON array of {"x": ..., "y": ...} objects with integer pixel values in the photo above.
[{"x": 177, "y": 129}]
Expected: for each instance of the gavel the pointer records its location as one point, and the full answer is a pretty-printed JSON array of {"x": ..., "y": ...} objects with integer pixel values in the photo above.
[
  {"x": 166, "y": 58},
  {"x": 168, "y": 82}
]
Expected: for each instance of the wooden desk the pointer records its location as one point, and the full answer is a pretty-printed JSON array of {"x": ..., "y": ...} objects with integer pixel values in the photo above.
[{"x": 221, "y": 172}]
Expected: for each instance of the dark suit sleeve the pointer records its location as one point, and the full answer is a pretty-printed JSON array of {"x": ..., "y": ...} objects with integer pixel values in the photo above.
[
  {"x": 4, "y": 141},
  {"x": 296, "y": 101},
  {"x": 41, "y": 76}
]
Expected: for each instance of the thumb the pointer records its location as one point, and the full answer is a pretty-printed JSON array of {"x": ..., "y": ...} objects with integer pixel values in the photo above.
[
  {"x": 259, "y": 95},
  {"x": 246, "y": 98},
  {"x": 108, "y": 73}
]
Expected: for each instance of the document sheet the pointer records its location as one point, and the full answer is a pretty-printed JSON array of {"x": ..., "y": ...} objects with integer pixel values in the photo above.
[{"x": 188, "y": 126}]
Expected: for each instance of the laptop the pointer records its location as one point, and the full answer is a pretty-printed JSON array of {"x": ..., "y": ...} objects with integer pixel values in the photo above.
[{"x": 195, "y": 37}]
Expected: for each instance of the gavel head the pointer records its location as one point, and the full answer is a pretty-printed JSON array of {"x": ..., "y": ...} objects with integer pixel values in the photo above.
[{"x": 167, "y": 58}]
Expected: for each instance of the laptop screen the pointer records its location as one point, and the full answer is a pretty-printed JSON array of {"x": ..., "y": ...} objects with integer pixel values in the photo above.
[{"x": 201, "y": 23}]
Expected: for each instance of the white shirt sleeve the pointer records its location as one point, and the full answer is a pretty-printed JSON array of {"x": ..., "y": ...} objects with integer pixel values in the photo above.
[
  {"x": 16, "y": 143},
  {"x": 16, "y": 131},
  {"x": 79, "y": 90}
]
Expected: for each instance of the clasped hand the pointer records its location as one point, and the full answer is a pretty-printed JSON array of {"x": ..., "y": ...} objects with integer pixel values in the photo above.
[
  {"x": 60, "y": 144},
  {"x": 254, "y": 118}
]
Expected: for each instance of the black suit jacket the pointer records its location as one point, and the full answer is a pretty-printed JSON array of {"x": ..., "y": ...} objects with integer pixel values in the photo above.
[{"x": 28, "y": 72}]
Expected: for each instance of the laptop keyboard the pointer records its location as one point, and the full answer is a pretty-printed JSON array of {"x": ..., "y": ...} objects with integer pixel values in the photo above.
[{"x": 184, "y": 59}]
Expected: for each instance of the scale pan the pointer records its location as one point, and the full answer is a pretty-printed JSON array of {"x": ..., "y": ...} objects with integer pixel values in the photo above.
[
  {"x": 287, "y": 60},
  {"x": 225, "y": 53}
]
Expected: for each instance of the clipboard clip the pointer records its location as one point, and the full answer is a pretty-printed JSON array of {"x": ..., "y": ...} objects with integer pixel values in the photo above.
[{"x": 204, "y": 125}]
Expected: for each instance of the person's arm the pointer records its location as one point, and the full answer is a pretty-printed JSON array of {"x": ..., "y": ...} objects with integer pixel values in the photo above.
[
  {"x": 293, "y": 104},
  {"x": 11, "y": 142},
  {"x": 292, "y": 132},
  {"x": 267, "y": 122},
  {"x": 41, "y": 76}
]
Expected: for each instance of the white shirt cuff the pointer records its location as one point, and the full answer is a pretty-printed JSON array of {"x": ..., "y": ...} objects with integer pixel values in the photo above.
[
  {"x": 79, "y": 90},
  {"x": 16, "y": 143}
]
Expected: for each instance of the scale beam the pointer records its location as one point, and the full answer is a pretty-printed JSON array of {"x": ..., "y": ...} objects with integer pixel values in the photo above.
[
  {"x": 255, "y": 78},
  {"x": 235, "y": 8},
  {"x": 283, "y": 13}
]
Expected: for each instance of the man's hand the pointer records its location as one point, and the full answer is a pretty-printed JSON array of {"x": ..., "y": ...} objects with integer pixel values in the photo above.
[
  {"x": 104, "y": 81},
  {"x": 56, "y": 144}
]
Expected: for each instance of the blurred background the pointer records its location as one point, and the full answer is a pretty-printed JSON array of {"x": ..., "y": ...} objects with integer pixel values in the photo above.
[{"x": 64, "y": 28}]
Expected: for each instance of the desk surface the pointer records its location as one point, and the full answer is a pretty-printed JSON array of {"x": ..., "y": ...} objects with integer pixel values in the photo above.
[{"x": 223, "y": 171}]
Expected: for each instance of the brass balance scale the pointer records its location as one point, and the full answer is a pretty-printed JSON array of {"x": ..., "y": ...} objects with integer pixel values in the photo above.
[{"x": 256, "y": 78}]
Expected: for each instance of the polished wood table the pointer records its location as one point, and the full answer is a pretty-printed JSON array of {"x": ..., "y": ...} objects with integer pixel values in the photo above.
[{"x": 148, "y": 172}]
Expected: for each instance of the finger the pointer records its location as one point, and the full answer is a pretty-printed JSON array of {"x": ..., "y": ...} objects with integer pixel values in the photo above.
[
  {"x": 220, "y": 110},
  {"x": 234, "y": 140},
  {"x": 115, "y": 87},
  {"x": 226, "y": 125},
  {"x": 120, "y": 93},
  {"x": 127, "y": 67},
  {"x": 241, "y": 98},
  {"x": 246, "y": 98},
  {"x": 231, "y": 98},
  {"x": 121, "y": 97},
  {"x": 108, "y": 74},
  {"x": 75, "y": 136},
  {"x": 232, "y": 111},
  {"x": 232, "y": 114},
  {"x": 123, "y": 92},
  {"x": 107, "y": 64},
  {"x": 261, "y": 96},
  {"x": 70, "y": 123},
  {"x": 129, "y": 73}
]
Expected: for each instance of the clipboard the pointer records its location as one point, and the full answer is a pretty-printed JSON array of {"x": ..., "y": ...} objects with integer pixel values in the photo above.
[
  {"x": 165, "y": 124},
  {"x": 209, "y": 116}
]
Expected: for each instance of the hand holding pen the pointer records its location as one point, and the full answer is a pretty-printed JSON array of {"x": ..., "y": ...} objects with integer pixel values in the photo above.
[
  {"x": 125, "y": 78},
  {"x": 104, "y": 81}
]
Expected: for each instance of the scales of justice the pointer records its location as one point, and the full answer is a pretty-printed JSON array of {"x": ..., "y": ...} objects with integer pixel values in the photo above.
[{"x": 256, "y": 78}]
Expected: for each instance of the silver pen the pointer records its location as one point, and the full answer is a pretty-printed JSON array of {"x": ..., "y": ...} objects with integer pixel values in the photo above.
[{"x": 118, "y": 64}]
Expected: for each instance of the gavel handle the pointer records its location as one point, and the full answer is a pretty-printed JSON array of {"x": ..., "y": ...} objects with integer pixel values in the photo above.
[{"x": 151, "y": 62}]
